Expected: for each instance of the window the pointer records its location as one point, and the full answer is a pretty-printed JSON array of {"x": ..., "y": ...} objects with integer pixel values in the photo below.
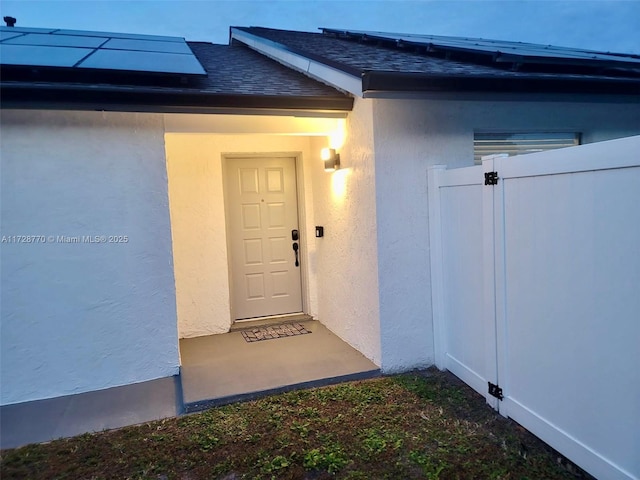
[{"x": 520, "y": 143}]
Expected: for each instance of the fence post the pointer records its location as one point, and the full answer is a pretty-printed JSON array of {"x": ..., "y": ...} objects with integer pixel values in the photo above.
[
  {"x": 434, "y": 174},
  {"x": 489, "y": 164}
]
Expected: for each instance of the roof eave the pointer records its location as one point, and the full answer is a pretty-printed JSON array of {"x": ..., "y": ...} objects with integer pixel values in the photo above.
[
  {"x": 377, "y": 81},
  {"x": 29, "y": 96}
]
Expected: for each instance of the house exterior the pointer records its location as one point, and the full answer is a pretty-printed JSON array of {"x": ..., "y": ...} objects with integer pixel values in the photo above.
[
  {"x": 410, "y": 113},
  {"x": 115, "y": 214}
]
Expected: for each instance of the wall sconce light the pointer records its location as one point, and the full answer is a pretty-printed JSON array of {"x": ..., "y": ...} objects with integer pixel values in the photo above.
[{"x": 331, "y": 159}]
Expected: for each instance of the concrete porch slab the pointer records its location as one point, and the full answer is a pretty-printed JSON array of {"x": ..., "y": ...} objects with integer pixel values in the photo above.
[{"x": 221, "y": 369}]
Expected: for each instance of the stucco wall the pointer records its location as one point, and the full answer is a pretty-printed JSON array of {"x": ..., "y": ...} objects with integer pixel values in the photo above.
[
  {"x": 410, "y": 135},
  {"x": 340, "y": 269},
  {"x": 194, "y": 163},
  {"x": 84, "y": 316},
  {"x": 345, "y": 204}
]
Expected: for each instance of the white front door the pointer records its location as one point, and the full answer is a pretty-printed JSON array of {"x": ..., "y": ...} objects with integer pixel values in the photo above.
[{"x": 263, "y": 221}]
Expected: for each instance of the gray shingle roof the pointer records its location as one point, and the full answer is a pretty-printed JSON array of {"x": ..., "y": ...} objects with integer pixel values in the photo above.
[
  {"x": 237, "y": 77},
  {"x": 360, "y": 56},
  {"x": 238, "y": 70}
]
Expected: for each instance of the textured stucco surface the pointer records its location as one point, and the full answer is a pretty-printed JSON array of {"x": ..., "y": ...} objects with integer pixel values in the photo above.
[
  {"x": 411, "y": 135},
  {"x": 194, "y": 163},
  {"x": 78, "y": 317},
  {"x": 339, "y": 270},
  {"x": 347, "y": 266},
  {"x": 83, "y": 317}
]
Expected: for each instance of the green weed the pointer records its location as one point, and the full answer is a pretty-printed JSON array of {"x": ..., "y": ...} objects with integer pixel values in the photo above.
[
  {"x": 430, "y": 468},
  {"x": 331, "y": 458}
]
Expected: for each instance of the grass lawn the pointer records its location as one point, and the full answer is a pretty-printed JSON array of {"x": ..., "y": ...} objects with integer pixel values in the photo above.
[{"x": 424, "y": 425}]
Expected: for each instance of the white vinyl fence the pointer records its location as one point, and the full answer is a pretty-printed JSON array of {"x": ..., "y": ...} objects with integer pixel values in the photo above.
[{"x": 536, "y": 290}]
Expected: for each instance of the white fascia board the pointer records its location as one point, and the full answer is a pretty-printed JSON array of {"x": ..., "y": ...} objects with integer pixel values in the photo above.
[{"x": 311, "y": 68}]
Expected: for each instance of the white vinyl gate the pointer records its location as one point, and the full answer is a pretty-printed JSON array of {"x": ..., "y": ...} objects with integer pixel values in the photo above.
[{"x": 536, "y": 289}]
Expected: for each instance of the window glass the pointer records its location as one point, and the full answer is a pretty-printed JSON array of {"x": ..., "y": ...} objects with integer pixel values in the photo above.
[{"x": 520, "y": 143}]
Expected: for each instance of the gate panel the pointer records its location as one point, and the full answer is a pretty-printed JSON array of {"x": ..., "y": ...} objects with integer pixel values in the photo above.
[
  {"x": 568, "y": 304},
  {"x": 458, "y": 245},
  {"x": 542, "y": 296}
]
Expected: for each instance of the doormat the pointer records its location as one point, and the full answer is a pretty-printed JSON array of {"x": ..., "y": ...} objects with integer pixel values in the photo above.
[{"x": 274, "y": 331}]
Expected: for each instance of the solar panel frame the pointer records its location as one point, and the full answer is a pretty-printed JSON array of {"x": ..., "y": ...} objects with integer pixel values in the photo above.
[{"x": 27, "y": 29}]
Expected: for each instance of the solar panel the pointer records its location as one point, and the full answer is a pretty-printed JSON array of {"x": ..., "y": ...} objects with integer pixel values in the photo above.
[
  {"x": 498, "y": 49},
  {"x": 41, "y": 56},
  {"x": 45, "y": 40},
  {"x": 133, "y": 36},
  {"x": 7, "y": 35},
  {"x": 97, "y": 50},
  {"x": 142, "y": 62}
]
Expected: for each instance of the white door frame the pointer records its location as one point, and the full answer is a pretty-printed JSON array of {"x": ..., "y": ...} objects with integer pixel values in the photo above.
[{"x": 304, "y": 232}]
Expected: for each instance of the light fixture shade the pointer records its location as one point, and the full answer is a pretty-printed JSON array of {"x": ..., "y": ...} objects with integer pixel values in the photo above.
[{"x": 331, "y": 159}]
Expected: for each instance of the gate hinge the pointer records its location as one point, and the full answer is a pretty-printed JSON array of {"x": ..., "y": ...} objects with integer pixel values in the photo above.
[
  {"x": 495, "y": 391},
  {"x": 491, "y": 178}
]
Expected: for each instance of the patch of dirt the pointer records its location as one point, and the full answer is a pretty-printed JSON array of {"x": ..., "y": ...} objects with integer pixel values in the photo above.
[{"x": 426, "y": 424}]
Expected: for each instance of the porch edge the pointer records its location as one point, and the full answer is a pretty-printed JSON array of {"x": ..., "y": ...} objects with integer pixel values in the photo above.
[{"x": 201, "y": 405}]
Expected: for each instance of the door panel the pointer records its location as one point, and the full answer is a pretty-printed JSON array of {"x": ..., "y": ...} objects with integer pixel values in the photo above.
[{"x": 262, "y": 208}]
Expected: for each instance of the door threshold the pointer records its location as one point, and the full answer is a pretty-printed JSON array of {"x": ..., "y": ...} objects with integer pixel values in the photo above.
[{"x": 240, "y": 325}]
